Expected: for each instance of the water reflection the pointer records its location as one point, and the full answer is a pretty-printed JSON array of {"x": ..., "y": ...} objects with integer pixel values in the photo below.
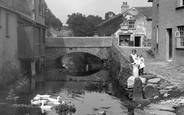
[
  {"x": 86, "y": 101},
  {"x": 79, "y": 64}
]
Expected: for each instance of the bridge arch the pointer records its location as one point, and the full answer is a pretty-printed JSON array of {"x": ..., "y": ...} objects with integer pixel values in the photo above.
[
  {"x": 98, "y": 46},
  {"x": 54, "y": 53}
]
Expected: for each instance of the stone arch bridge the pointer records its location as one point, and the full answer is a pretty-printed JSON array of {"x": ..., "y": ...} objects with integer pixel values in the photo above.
[{"x": 98, "y": 46}]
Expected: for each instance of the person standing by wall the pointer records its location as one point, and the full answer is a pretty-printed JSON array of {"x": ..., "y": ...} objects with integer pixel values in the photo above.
[{"x": 134, "y": 61}]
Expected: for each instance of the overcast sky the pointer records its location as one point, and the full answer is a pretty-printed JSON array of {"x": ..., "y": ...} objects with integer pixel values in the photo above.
[{"x": 63, "y": 8}]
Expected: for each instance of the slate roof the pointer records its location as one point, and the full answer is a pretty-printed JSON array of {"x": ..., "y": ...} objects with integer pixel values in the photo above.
[{"x": 146, "y": 11}]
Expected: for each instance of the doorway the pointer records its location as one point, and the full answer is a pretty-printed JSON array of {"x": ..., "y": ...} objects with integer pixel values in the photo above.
[
  {"x": 169, "y": 33},
  {"x": 138, "y": 41}
]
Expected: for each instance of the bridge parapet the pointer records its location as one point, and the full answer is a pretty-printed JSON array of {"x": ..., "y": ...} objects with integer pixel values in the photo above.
[{"x": 81, "y": 42}]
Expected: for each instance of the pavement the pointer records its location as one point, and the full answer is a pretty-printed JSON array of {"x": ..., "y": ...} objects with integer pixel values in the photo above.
[{"x": 165, "y": 70}]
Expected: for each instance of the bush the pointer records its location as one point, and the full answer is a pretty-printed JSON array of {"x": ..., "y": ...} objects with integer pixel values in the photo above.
[
  {"x": 8, "y": 76},
  {"x": 22, "y": 85}
]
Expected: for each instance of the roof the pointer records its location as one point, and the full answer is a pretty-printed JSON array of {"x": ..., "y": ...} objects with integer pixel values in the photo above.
[
  {"x": 146, "y": 11},
  {"x": 24, "y": 16}
]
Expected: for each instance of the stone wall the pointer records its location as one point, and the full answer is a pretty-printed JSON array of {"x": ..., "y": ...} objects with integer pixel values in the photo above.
[
  {"x": 120, "y": 69},
  {"x": 8, "y": 45},
  {"x": 167, "y": 16}
]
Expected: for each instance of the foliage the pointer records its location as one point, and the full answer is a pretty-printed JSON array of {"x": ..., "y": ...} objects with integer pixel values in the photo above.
[
  {"x": 95, "y": 20},
  {"x": 64, "y": 108},
  {"x": 82, "y": 25},
  {"x": 8, "y": 75},
  {"x": 51, "y": 20},
  {"x": 109, "y": 15},
  {"x": 22, "y": 85}
]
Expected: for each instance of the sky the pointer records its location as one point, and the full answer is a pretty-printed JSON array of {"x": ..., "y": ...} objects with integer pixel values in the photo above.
[{"x": 62, "y": 8}]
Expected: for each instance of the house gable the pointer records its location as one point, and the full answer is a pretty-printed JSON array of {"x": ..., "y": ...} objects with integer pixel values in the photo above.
[{"x": 110, "y": 26}]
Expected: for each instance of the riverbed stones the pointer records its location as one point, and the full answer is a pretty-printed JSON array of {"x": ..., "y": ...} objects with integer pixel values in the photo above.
[
  {"x": 143, "y": 80},
  {"x": 170, "y": 87},
  {"x": 137, "y": 90},
  {"x": 158, "y": 112},
  {"x": 159, "y": 109},
  {"x": 163, "y": 91},
  {"x": 150, "y": 92},
  {"x": 149, "y": 76},
  {"x": 131, "y": 79},
  {"x": 130, "y": 82},
  {"x": 163, "y": 107},
  {"x": 154, "y": 80},
  {"x": 139, "y": 112}
]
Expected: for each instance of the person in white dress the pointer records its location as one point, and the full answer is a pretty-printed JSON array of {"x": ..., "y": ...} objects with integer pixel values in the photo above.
[
  {"x": 134, "y": 62},
  {"x": 141, "y": 64}
]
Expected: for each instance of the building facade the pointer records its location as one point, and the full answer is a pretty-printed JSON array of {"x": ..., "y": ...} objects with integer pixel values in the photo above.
[
  {"x": 132, "y": 26},
  {"x": 168, "y": 30},
  {"x": 22, "y": 37}
]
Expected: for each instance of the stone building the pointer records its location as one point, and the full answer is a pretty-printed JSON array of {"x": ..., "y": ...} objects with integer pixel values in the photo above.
[
  {"x": 168, "y": 30},
  {"x": 22, "y": 35},
  {"x": 132, "y": 26}
]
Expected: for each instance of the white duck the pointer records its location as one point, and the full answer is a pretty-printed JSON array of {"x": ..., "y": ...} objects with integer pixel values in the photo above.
[
  {"x": 54, "y": 100},
  {"x": 45, "y": 107},
  {"x": 38, "y": 97},
  {"x": 37, "y": 102}
]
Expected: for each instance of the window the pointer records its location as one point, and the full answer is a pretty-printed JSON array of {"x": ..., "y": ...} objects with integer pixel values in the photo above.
[
  {"x": 43, "y": 10},
  {"x": 40, "y": 7},
  {"x": 131, "y": 24},
  {"x": 180, "y": 37},
  {"x": 7, "y": 25}
]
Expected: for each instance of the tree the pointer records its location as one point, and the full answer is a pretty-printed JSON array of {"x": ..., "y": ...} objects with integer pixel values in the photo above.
[
  {"x": 80, "y": 25},
  {"x": 109, "y": 15},
  {"x": 51, "y": 20},
  {"x": 94, "y": 19}
]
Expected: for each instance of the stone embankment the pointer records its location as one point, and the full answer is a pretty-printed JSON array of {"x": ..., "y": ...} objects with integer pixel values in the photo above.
[
  {"x": 147, "y": 91},
  {"x": 152, "y": 94}
]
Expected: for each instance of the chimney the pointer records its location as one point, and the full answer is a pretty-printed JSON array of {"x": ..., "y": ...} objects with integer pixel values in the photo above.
[{"x": 124, "y": 7}]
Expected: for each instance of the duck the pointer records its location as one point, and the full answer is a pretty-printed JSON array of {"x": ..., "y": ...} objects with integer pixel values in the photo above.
[
  {"x": 45, "y": 107},
  {"x": 54, "y": 100},
  {"x": 38, "y": 97},
  {"x": 37, "y": 102}
]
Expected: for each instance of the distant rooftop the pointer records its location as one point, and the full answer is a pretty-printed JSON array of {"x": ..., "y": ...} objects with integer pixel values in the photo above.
[{"x": 146, "y": 11}]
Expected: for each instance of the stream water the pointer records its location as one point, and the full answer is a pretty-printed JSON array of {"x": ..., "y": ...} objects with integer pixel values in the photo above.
[
  {"x": 86, "y": 102},
  {"x": 88, "y": 97}
]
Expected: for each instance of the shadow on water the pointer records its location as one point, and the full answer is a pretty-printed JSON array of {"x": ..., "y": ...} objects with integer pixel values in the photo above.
[
  {"x": 79, "y": 64},
  {"x": 88, "y": 98}
]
